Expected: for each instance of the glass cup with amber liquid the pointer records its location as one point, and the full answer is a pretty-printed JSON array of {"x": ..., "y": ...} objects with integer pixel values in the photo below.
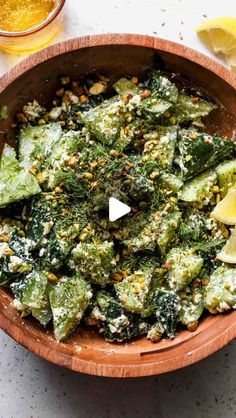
[{"x": 29, "y": 25}]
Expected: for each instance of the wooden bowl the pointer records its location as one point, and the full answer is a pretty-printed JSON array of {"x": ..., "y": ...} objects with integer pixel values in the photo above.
[{"x": 37, "y": 76}]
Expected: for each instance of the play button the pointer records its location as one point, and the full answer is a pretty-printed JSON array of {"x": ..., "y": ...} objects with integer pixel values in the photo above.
[{"x": 117, "y": 209}]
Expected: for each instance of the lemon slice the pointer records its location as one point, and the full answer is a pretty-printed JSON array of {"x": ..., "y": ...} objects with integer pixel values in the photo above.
[
  {"x": 219, "y": 35},
  {"x": 228, "y": 252},
  {"x": 225, "y": 210}
]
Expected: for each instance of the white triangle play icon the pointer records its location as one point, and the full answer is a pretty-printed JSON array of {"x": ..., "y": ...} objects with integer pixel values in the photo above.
[{"x": 117, "y": 209}]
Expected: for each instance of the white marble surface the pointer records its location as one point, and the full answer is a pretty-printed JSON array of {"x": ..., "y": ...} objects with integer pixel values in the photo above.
[
  {"x": 33, "y": 388},
  {"x": 170, "y": 19}
]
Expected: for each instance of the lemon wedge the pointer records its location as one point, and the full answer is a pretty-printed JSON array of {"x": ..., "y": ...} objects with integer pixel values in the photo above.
[
  {"x": 219, "y": 35},
  {"x": 228, "y": 252},
  {"x": 225, "y": 210}
]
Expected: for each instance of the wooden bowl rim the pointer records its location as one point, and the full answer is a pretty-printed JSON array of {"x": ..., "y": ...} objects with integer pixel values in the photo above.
[
  {"x": 117, "y": 39},
  {"x": 189, "y": 352}
]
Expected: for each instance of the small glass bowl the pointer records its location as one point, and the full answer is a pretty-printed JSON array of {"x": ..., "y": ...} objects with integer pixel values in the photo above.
[{"x": 35, "y": 38}]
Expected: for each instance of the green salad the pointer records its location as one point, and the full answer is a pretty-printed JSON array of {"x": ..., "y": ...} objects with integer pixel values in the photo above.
[{"x": 151, "y": 272}]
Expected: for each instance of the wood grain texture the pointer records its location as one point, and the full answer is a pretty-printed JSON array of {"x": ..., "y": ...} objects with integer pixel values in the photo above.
[{"x": 37, "y": 76}]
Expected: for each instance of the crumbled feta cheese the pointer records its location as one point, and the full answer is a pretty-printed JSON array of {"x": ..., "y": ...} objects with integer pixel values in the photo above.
[
  {"x": 18, "y": 305},
  {"x": 223, "y": 306},
  {"x": 119, "y": 323},
  {"x": 16, "y": 265},
  {"x": 58, "y": 313},
  {"x": 55, "y": 113},
  {"x": 3, "y": 249},
  {"x": 42, "y": 252},
  {"x": 33, "y": 110},
  {"x": 231, "y": 282}
]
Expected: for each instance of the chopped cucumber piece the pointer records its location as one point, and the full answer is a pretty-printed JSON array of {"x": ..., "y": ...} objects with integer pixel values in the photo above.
[
  {"x": 220, "y": 293},
  {"x": 226, "y": 175},
  {"x": 69, "y": 299},
  {"x": 15, "y": 183},
  {"x": 200, "y": 189},
  {"x": 183, "y": 266},
  {"x": 114, "y": 322},
  {"x": 199, "y": 151},
  {"x": 124, "y": 86},
  {"x": 31, "y": 289},
  {"x": 133, "y": 290},
  {"x": 160, "y": 145},
  {"x": 95, "y": 261},
  {"x": 37, "y": 142},
  {"x": 189, "y": 108}
]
